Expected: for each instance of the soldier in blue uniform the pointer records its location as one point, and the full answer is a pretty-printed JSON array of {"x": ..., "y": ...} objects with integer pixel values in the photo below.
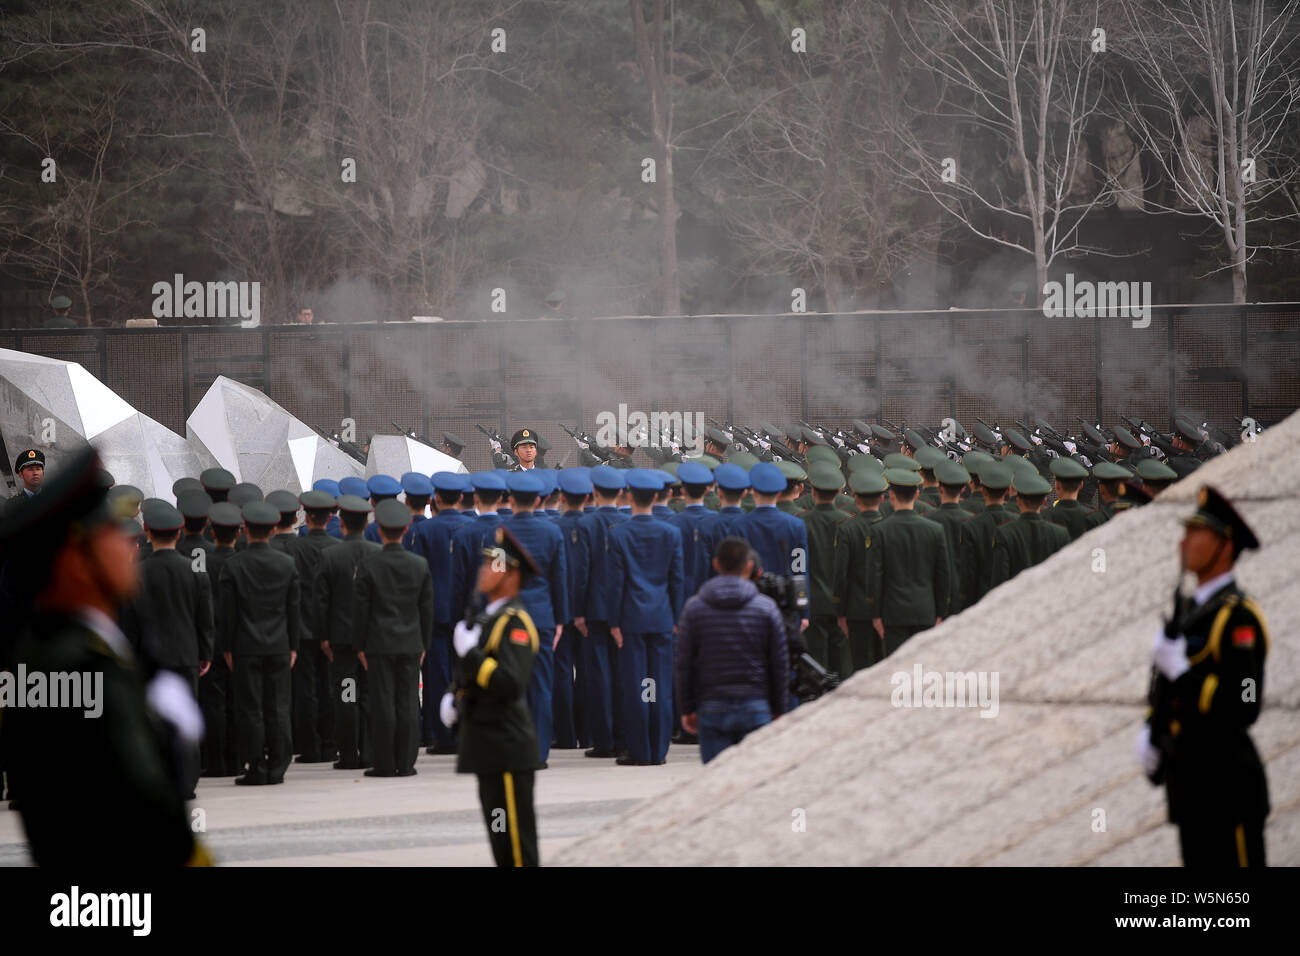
[
  {"x": 646, "y": 568},
  {"x": 596, "y": 605},
  {"x": 380, "y": 488},
  {"x": 418, "y": 489},
  {"x": 569, "y": 670},
  {"x": 545, "y": 596},
  {"x": 432, "y": 541},
  {"x": 467, "y": 541},
  {"x": 780, "y": 540},
  {"x": 660, "y": 507},
  {"x": 733, "y": 482},
  {"x": 692, "y": 522}
]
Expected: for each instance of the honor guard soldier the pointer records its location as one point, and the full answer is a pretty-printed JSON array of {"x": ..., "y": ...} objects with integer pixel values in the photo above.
[
  {"x": 907, "y": 567},
  {"x": 1068, "y": 512},
  {"x": 194, "y": 507},
  {"x": 1124, "y": 444},
  {"x": 569, "y": 670},
  {"x": 498, "y": 743},
  {"x": 380, "y": 488},
  {"x": 596, "y": 606},
  {"x": 1186, "y": 439},
  {"x": 546, "y": 596},
  {"x": 452, "y": 445},
  {"x": 313, "y": 715},
  {"x": 826, "y": 642},
  {"x": 331, "y": 488},
  {"x": 692, "y": 522},
  {"x": 950, "y": 515},
  {"x": 392, "y": 617},
  {"x": 417, "y": 489},
  {"x": 732, "y": 482},
  {"x": 794, "y": 489},
  {"x": 431, "y": 540},
  {"x": 1156, "y": 476},
  {"x": 216, "y": 689},
  {"x": 975, "y": 557},
  {"x": 217, "y": 482},
  {"x": 852, "y": 543},
  {"x": 245, "y": 493},
  {"x": 1029, "y": 539},
  {"x": 61, "y": 320},
  {"x": 523, "y": 444},
  {"x": 260, "y": 609},
  {"x": 1207, "y": 687},
  {"x": 285, "y": 502},
  {"x": 779, "y": 540},
  {"x": 333, "y": 605},
  {"x": 646, "y": 600},
  {"x": 468, "y": 541},
  {"x": 929, "y": 458},
  {"x": 29, "y": 467},
  {"x": 1109, "y": 476}
]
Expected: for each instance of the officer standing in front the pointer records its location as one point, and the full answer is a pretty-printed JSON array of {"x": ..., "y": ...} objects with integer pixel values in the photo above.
[{"x": 523, "y": 444}]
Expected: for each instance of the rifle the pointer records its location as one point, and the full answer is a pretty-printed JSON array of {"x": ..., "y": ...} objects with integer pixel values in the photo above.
[
  {"x": 347, "y": 447},
  {"x": 412, "y": 434},
  {"x": 586, "y": 443},
  {"x": 498, "y": 449}
]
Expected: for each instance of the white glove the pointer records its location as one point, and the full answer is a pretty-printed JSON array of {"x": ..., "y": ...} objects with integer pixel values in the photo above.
[
  {"x": 465, "y": 638},
  {"x": 1170, "y": 657},
  {"x": 171, "y": 698},
  {"x": 447, "y": 709},
  {"x": 1148, "y": 755},
  {"x": 496, "y": 445}
]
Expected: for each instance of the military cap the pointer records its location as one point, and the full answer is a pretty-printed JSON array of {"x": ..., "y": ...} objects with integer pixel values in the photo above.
[
  {"x": 181, "y": 485},
  {"x": 1216, "y": 512},
  {"x": 1110, "y": 471},
  {"x": 1018, "y": 441},
  {"x": 574, "y": 482},
  {"x": 1188, "y": 430},
  {"x": 813, "y": 436},
  {"x": 975, "y": 460},
  {"x": 826, "y": 478},
  {"x": 507, "y": 547},
  {"x": 194, "y": 504},
  {"x": 641, "y": 479},
  {"x": 718, "y": 437},
  {"x": 794, "y": 432},
  {"x": 996, "y": 476},
  {"x": 162, "y": 517},
  {"x": 671, "y": 465},
  {"x": 914, "y": 438},
  {"x": 950, "y": 473},
  {"x": 550, "y": 480},
  {"x": 415, "y": 483},
  {"x": 453, "y": 440},
  {"x": 132, "y": 528},
  {"x": 693, "y": 473},
  {"x": 524, "y": 483},
  {"x": 225, "y": 515},
  {"x": 1031, "y": 484},
  {"x": 128, "y": 497},
  {"x": 38, "y": 527},
  {"x": 32, "y": 456},
  {"x": 327, "y": 485},
  {"x": 245, "y": 493},
  {"x": 149, "y": 502},
  {"x": 1020, "y": 466},
  {"x": 862, "y": 462},
  {"x": 524, "y": 436},
  {"x": 708, "y": 461},
  {"x": 902, "y": 476},
  {"x": 450, "y": 481},
  {"x": 867, "y": 482},
  {"x": 1068, "y": 468},
  {"x": 354, "y": 504},
  {"x": 793, "y": 472},
  {"x": 352, "y": 485},
  {"x": 984, "y": 435},
  {"x": 383, "y": 486},
  {"x": 488, "y": 481},
  {"x": 316, "y": 500},
  {"x": 1094, "y": 435},
  {"x": 607, "y": 478},
  {"x": 1149, "y": 469},
  {"x": 669, "y": 478},
  {"x": 882, "y": 434},
  {"x": 216, "y": 479},
  {"x": 731, "y": 477},
  {"x": 898, "y": 460},
  {"x": 744, "y": 459},
  {"x": 928, "y": 457},
  {"x": 391, "y": 513},
  {"x": 61, "y": 302},
  {"x": 260, "y": 513},
  {"x": 554, "y": 297},
  {"x": 1125, "y": 438},
  {"x": 823, "y": 453},
  {"x": 767, "y": 478}
]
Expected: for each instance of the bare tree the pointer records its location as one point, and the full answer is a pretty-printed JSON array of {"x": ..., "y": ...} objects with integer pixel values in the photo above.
[{"x": 1217, "y": 90}]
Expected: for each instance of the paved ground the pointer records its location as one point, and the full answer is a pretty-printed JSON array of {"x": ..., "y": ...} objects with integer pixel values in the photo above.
[{"x": 326, "y": 817}]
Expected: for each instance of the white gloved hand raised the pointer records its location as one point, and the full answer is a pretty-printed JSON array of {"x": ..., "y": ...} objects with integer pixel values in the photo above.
[
  {"x": 1170, "y": 656},
  {"x": 447, "y": 709},
  {"x": 465, "y": 638}
]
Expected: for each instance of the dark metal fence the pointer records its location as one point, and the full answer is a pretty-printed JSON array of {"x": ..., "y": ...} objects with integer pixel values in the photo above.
[{"x": 1222, "y": 362}]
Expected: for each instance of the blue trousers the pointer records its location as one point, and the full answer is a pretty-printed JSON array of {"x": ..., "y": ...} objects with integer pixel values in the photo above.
[
  {"x": 562, "y": 692},
  {"x": 726, "y": 722},
  {"x": 647, "y": 705},
  {"x": 598, "y": 681},
  {"x": 437, "y": 677},
  {"x": 539, "y": 691}
]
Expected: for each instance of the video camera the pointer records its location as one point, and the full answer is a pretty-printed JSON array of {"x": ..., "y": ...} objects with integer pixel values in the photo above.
[{"x": 808, "y": 679}]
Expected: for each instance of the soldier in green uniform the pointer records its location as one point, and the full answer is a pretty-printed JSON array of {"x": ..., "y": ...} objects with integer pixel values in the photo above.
[
  {"x": 1109, "y": 476},
  {"x": 194, "y": 507},
  {"x": 497, "y": 739},
  {"x": 333, "y": 626},
  {"x": 1067, "y": 511},
  {"x": 794, "y": 488},
  {"x": 975, "y": 557},
  {"x": 828, "y": 645},
  {"x": 78, "y": 564},
  {"x": 285, "y": 502},
  {"x": 1156, "y": 476},
  {"x": 1207, "y": 687},
  {"x": 61, "y": 320},
  {"x": 852, "y": 542},
  {"x": 1029, "y": 539},
  {"x": 951, "y": 479},
  {"x": 907, "y": 566},
  {"x": 313, "y": 716},
  {"x": 1187, "y": 438},
  {"x": 392, "y": 618},
  {"x": 928, "y": 458},
  {"x": 260, "y": 609},
  {"x": 216, "y": 688}
]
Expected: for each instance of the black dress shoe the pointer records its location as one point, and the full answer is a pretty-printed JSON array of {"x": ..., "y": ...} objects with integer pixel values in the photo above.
[
  {"x": 219, "y": 772},
  {"x": 597, "y": 752},
  {"x": 372, "y": 772},
  {"x": 542, "y": 765},
  {"x": 312, "y": 758},
  {"x": 627, "y": 761},
  {"x": 564, "y": 746},
  {"x": 687, "y": 739},
  {"x": 406, "y": 773},
  {"x": 441, "y": 750},
  {"x": 340, "y": 765},
  {"x": 250, "y": 780}
]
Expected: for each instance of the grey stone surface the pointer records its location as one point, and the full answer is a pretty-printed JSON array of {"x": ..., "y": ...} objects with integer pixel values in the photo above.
[
  {"x": 396, "y": 455},
  {"x": 1052, "y": 778}
]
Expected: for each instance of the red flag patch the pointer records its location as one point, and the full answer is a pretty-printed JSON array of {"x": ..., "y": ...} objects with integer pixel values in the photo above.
[
  {"x": 1243, "y": 636},
  {"x": 518, "y": 636}
]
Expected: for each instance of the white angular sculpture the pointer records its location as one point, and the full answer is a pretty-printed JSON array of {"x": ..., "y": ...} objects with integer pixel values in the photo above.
[
  {"x": 256, "y": 440},
  {"x": 396, "y": 455}
]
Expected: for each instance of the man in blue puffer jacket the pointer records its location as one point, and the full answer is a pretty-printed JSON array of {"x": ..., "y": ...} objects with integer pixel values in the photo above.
[{"x": 732, "y": 661}]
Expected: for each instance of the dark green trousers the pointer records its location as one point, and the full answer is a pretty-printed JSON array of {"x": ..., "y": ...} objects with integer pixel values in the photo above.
[
  {"x": 348, "y": 696},
  {"x": 394, "y": 710},
  {"x": 507, "y": 801},
  {"x": 864, "y": 644},
  {"x": 215, "y": 700},
  {"x": 264, "y": 740},
  {"x": 895, "y": 636},
  {"x": 828, "y": 645}
]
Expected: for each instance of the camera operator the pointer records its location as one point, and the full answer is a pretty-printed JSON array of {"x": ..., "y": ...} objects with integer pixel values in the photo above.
[{"x": 732, "y": 659}]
